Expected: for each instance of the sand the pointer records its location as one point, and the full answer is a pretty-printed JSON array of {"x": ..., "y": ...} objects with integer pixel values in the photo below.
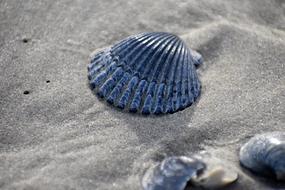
[{"x": 61, "y": 136}]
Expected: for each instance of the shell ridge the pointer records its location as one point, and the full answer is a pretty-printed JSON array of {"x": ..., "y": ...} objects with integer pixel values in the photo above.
[
  {"x": 157, "y": 54},
  {"x": 127, "y": 93},
  {"x": 94, "y": 60},
  {"x": 149, "y": 99},
  {"x": 135, "y": 42},
  {"x": 170, "y": 82},
  {"x": 128, "y": 38},
  {"x": 186, "y": 99},
  {"x": 100, "y": 78},
  {"x": 133, "y": 92},
  {"x": 180, "y": 84},
  {"x": 196, "y": 83},
  {"x": 162, "y": 59},
  {"x": 125, "y": 42},
  {"x": 189, "y": 87},
  {"x": 164, "y": 76},
  {"x": 175, "y": 88},
  {"x": 94, "y": 70},
  {"x": 146, "y": 49},
  {"x": 169, "y": 56},
  {"x": 158, "y": 107},
  {"x": 146, "y": 108},
  {"x": 188, "y": 93},
  {"x": 104, "y": 63},
  {"x": 184, "y": 83},
  {"x": 130, "y": 45},
  {"x": 192, "y": 78},
  {"x": 103, "y": 76},
  {"x": 94, "y": 64},
  {"x": 95, "y": 67},
  {"x": 116, "y": 92},
  {"x": 149, "y": 59},
  {"x": 127, "y": 52},
  {"x": 160, "y": 94},
  {"x": 118, "y": 51},
  {"x": 136, "y": 59},
  {"x": 112, "y": 81},
  {"x": 137, "y": 49},
  {"x": 96, "y": 56},
  {"x": 143, "y": 97},
  {"x": 161, "y": 54},
  {"x": 167, "y": 75},
  {"x": 137, "y": 98}
]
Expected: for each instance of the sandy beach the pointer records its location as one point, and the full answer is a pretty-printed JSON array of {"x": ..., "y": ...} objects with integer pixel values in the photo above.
[{"x": 56, "y": 134}]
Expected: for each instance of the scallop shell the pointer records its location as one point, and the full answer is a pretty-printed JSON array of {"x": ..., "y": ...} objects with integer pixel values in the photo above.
[
  {"x": 148, "y": 73},
  {"x": 174, "y": 173},
  {"x": 265, "y": 154}
]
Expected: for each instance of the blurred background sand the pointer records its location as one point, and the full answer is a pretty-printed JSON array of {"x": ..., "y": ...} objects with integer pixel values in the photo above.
[{"x": 61, "y": 136}]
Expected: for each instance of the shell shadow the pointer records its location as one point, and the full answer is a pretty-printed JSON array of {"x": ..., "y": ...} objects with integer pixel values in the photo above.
[
  {"x": 264, "y": 182},
  {"x": 167, "y": 134},
  {"x": 242, "y": 183},
  {"x": 153, "y": 128}
]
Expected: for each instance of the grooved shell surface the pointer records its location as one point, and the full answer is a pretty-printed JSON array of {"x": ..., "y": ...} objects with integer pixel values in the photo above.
[{"x": 147, "y": 73}]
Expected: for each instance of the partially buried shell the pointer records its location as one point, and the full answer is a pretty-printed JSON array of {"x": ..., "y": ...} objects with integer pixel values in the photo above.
[
  {"x": 265, "y": 154},
  {"x": 173, "y": 173},
  {"x": 149, "y": 73}
]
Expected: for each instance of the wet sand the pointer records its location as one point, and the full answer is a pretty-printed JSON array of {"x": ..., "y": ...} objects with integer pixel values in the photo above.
[{"x": 58, "y": 135}]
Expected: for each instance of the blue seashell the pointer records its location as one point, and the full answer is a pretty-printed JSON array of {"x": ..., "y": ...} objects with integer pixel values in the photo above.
[
  {"x": 175, "y": 172},
  {"x": 265, "y": 154},
  {"x": 172, "y": 173},
  {"x": 150, "y": 73}
]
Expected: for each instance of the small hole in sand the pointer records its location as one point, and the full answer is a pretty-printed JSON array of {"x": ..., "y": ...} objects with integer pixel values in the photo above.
[
  {"x": 25, "y": 40},
  {"x": 48, "y": 81},
  {"x": 26, "y": 92}
]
